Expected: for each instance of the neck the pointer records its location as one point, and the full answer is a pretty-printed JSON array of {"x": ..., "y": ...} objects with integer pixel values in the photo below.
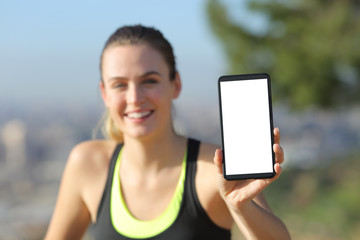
[{"x": 155, "y": 153}]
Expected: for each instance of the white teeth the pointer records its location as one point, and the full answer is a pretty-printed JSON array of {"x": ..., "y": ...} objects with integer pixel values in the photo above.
[{"x": 136, "y": 115}]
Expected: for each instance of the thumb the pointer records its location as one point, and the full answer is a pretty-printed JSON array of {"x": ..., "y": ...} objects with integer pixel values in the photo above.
[{"x": 218, "y": 159}]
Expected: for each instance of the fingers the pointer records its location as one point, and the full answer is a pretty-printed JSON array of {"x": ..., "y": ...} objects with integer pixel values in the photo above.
[
  {"x": 278, "y": 168},
  {"x": 276, "y": 135},
  {"x": 278, "y": 171},
  {"x": 278, "y": 150},
  {"x": 279, "y": 153},
  {"x": 218, "y": 159}
]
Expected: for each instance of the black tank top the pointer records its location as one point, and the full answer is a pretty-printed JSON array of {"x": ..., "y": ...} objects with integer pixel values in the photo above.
[{"x": 191, "y": 223}]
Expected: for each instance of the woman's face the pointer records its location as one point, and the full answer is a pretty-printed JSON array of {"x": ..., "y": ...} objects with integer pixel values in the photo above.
[{"x": 137, "y": 90}]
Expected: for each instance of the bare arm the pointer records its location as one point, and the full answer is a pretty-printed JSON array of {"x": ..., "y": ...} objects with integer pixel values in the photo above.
[
  {"x": 257, "y": 223},
  {"x": 71, "y": 216}
]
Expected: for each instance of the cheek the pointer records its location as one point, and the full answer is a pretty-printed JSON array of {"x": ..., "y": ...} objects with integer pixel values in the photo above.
[
  {"x": 116, "y": 108},
  {"x": 162, "y": 95},
  {"x": 161, "y": 99},
  {"x": 116, "y": 102}
]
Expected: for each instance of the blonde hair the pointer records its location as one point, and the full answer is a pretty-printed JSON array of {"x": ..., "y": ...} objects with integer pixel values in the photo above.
[{"x": 108, "y": 128}]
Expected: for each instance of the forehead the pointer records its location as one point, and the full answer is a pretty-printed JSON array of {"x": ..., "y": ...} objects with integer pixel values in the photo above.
[{"x": 130, "y": 59}]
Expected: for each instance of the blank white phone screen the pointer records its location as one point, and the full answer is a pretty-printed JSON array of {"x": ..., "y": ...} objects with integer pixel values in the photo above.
[{"x": 246, "y": 126}]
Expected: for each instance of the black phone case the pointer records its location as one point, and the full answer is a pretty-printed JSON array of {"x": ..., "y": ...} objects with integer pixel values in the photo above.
[{"x": 240, "y": 77}]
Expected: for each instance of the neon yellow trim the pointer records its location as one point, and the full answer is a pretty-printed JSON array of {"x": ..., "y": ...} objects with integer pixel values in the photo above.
[{"x": 127, "y": 225}]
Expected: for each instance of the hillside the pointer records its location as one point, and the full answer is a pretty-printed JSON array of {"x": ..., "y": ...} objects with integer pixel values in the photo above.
[{"x": 322, "y": 202}]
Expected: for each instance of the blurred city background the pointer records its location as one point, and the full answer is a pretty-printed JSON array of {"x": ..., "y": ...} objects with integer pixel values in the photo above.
[{"x": 49, "y": 98}]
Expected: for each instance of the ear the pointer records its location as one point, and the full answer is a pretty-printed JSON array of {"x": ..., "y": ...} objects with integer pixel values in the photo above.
[
  {"x": 103, "y": 93},
  {"x": 177, "y": 85}
]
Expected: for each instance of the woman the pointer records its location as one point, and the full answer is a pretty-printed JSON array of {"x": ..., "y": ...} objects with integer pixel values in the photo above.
[{"x": 146, "y": 181}]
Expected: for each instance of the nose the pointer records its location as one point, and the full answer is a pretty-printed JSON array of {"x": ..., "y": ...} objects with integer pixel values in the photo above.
[{"x": 134, "y": 95}]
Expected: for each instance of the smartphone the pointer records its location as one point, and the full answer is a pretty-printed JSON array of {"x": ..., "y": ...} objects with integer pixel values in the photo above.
[{"x": 246, "y": 126}]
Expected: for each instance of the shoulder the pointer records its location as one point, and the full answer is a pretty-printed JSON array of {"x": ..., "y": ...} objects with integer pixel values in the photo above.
[
  {"x": 206, "y": 175},
  {"x": 205, "y": 158},
  {"x": 80, "y": 189},
  {"x": 205, "y": 163},
  {"x": 86, "y": 171},
  {"x": 207, "y": 151},
  {"x": 91, "y": 156},
  {"x": 93, "y": 151}
]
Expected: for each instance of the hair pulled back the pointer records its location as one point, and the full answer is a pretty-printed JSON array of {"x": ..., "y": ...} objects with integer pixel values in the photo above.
[{"x": 140, "y": 35}]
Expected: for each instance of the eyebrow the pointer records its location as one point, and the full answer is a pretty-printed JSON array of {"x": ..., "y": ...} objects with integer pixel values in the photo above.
[
  {"x": 150, "y": 73},
  {"x": 142, "y": 76}
]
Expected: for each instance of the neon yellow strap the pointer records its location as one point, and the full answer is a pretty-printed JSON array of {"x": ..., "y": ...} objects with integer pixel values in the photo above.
[{"x": 127, "y": 225}]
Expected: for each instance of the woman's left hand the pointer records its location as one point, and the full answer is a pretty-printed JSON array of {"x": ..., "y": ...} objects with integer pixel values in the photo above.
[{"x": 238, "y": 193}]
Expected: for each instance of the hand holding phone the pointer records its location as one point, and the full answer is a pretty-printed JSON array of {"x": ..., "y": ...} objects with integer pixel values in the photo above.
[{"x": 246, "y": 126}]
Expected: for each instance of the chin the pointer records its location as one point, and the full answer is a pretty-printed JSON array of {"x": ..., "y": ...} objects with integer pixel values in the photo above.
[{"x": 140, "y": 134}]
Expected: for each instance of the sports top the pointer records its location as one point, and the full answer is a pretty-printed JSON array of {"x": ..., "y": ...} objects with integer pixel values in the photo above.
[{"x": 184, "y": 217}]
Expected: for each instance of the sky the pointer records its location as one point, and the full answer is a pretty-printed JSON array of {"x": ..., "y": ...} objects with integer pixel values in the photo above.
[{"x": 49, "y": 50}]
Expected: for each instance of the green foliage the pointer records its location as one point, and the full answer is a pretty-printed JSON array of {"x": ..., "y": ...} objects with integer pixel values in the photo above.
[
  {"x": 310, "y": 48},
  {"x": 319, "y": 203}
]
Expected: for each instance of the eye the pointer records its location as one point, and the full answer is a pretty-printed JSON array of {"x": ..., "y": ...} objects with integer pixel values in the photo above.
[
  {"x": 119, "y": 85},
  {"x": 150, "y": 81}
]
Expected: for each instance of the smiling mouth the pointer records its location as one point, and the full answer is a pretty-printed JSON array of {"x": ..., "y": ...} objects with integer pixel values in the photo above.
[{"x": 138, "y": 115}]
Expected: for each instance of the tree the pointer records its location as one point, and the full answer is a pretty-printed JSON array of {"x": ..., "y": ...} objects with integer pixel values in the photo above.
[{"x": 311, "y": 49}]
